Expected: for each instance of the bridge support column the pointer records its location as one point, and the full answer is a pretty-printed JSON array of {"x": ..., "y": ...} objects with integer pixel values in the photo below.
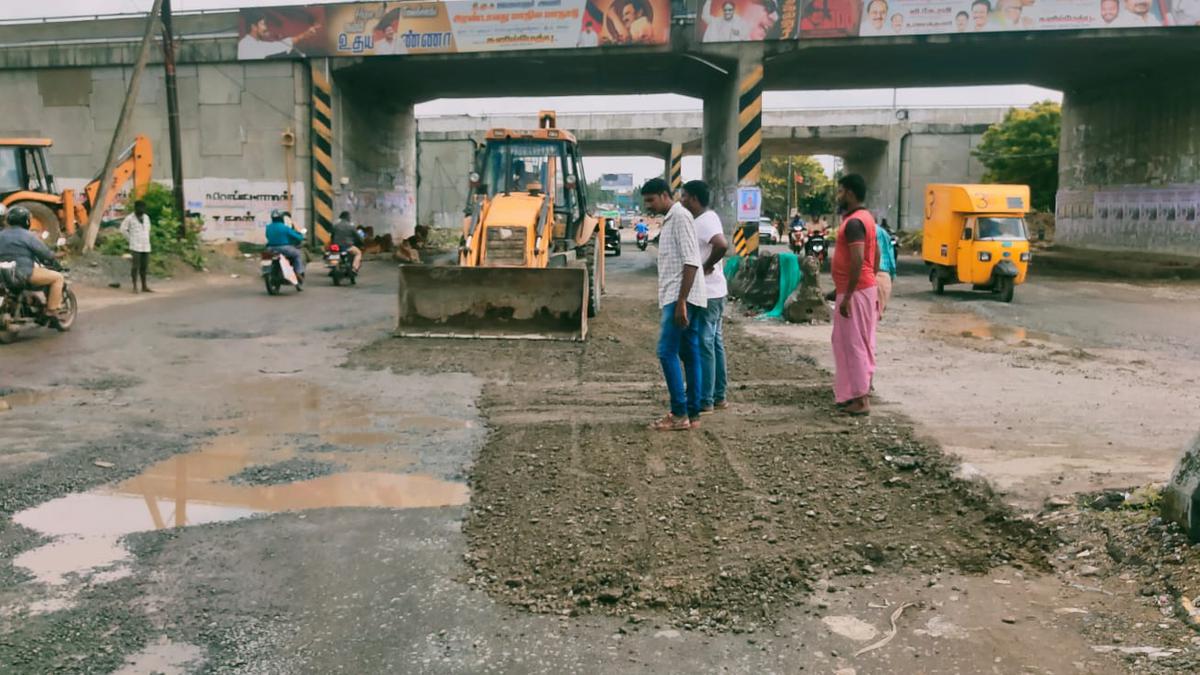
[
  {"x": 732, "y": 142},
  {"x": 674, "y": 174},
  {"x": 1129, "y": 166},
  {"x": 379, "y": 157}
]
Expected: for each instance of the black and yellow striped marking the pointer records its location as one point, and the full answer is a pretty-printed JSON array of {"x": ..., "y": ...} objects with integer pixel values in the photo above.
[
  {"x": 676, "y": 174},
  {"x": 745, "y": 239},
  {"x": 322, "y": 150},
  {"x": 750, "y": 127}
]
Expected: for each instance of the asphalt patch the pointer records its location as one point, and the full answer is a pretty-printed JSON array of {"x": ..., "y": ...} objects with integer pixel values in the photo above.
[{"x": 292, "y": 470}]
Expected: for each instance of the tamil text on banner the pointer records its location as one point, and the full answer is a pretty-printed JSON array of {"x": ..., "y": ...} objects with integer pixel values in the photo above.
[
  {"x": 617, "y": 182},
  {"x": 881, "y": 18},
  {"x": 747, "y": 20},
  {"x": 396, "y": 28}
]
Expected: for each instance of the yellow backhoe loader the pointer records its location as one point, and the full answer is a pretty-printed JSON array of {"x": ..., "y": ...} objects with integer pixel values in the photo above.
[
  {"x": 531, "y": 256},
  {"x": 26, "y": 180}
]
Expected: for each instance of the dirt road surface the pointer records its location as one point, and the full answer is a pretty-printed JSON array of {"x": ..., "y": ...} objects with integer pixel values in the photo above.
[{"x": 214, "y": 480}]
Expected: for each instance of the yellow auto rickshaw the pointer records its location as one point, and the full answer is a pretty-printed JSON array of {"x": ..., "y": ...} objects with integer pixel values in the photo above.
[{"x": 976, "y": 234}]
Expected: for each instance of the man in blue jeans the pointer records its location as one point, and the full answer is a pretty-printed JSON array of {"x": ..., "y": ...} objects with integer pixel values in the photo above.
[
  {"x": 682, "y": 297},
  {"x": 711, "y": 240}
]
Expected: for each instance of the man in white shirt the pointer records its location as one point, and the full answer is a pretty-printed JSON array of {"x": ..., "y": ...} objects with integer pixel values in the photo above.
[
  {"x": 259, "y": 43},
  {"x": 1137, "y": 14},
  {"x": 136, "y": 228},
  {"x": 682, "y": 299},
  {"x": 874, "y": 18},
  {"x": 728, "y": 28},
  {"x": 711, "y": 240}
]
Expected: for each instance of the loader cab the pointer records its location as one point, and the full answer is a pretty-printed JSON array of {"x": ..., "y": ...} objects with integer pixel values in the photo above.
[
  {"x": 23, "y": 166},
  {"x": 515, "y": 163}
]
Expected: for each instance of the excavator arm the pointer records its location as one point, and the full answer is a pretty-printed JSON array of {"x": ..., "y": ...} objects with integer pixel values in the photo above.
[{"x": 135, "y": 164}]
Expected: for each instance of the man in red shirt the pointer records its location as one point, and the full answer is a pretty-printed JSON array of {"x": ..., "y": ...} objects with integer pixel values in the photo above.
[{"x": 855, "y": 260}]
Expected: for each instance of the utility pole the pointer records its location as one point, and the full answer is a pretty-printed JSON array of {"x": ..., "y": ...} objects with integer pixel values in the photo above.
[
  {"x": 790, "y": 179},
  {"x": 173, "y": 117},
  {"x": 97, "y": 209}
]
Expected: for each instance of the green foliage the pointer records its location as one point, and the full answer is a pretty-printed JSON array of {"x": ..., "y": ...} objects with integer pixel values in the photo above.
[
  {"x": 1023, "y": 149},
  {"x": 165, "y": 240},
  {"x": 813, "y": 197}
]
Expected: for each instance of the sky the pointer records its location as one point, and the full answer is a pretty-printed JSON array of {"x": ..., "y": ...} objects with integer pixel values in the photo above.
[{"x": 641, "y": 167}]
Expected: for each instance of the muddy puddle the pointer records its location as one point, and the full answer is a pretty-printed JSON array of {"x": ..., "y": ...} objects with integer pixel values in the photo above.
[
  {"x": 953, "y": 323},
  {"x": 372, "y": 449}
]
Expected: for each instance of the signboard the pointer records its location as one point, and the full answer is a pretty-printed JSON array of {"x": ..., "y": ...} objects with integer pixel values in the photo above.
[
  {"x": 749, "y": 204},
  {"x": 617, "y": 182},
  {"x": 757, "y": 20},
  {"x": 391, "y": 28}
]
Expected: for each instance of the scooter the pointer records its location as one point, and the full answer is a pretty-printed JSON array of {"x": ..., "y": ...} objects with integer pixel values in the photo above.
[
  {"x": 816, "y": 246},
  {"x": 796, "y": 239},
  {"x": 23, "y": 306},
  {"x": 643, "y": 240},
  {"x": 341, "y": 265}
]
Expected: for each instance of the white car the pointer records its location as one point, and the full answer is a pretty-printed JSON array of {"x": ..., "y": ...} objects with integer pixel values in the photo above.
[{"x": 767, "y": 234}]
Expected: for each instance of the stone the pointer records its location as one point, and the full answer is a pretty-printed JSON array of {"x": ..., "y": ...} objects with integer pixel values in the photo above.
[
  {"x": 1181, "y": 498},
  {"x": 905, "y": 462},
  {"x": 610, "y": 595},
  {"x": 1055, "y": 503},
  {"x": 1089, "y": 571}
]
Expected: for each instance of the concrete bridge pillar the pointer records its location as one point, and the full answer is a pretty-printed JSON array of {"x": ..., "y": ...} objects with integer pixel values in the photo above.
[
  {"x": 376, "y": 156},
  {"x": 1129, "y": 166},
  {"x": 732, "y": 142}
]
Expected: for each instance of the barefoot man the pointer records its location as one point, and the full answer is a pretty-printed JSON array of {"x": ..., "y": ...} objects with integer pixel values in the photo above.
[{"x": 854, "y": 260}]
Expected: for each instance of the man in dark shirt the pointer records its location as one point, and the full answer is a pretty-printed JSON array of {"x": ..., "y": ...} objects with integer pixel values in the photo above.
[
  {"x": 19, "y": 245},
  {"x": 347, "y": 238}
]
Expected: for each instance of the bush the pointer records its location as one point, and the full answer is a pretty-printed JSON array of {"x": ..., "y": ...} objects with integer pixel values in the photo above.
[{"x": 165, "y": 240}]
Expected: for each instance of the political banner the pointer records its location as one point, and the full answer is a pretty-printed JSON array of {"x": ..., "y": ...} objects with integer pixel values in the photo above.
[
  {"x": 749, "y": 204},
  {"x": 617, "y": 182},
  {"x": 881, "y": 18},
  {"x": 397, "y": 28},
  {"x": 830, "y": 18},
  {"x": 747, "y": 20}
]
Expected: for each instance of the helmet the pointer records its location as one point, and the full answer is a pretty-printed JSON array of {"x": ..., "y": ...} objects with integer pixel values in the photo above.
[
  {"x": 276, "y": 214},
  {"x": 18, "y": 216}
]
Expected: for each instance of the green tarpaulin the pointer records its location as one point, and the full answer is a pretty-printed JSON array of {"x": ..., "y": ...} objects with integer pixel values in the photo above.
[{"x": 789, "y": 279}]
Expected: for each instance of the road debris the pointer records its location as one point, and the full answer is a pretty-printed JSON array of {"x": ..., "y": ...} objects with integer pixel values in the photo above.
[{"x": 891, "y": 634}]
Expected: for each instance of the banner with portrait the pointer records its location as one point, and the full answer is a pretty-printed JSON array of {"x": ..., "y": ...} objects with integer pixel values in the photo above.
[
  {"x": 397, "y": 28},
  {"x": 747, "y": 20}
]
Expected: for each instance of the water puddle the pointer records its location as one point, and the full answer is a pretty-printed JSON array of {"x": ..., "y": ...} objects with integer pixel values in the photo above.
[
  {"x": 973, "y": 326},
  {"x": 371, "y": 468}
]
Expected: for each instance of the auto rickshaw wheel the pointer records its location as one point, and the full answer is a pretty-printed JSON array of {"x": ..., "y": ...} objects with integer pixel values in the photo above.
[
  {"x": 939, "y": 284},
  {"x": 1005, "y": 286}
]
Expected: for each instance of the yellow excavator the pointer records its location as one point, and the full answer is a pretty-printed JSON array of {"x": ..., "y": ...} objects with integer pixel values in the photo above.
[
  {"x": 531, "y": 256},
  {"x": 26, "y": 180}
]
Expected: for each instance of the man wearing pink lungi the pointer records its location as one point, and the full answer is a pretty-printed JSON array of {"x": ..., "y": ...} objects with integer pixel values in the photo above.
[{"x": 854, "y": 260}]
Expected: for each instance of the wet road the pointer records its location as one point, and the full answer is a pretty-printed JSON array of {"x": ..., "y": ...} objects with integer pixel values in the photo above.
[{"x": 321, "y": 511}]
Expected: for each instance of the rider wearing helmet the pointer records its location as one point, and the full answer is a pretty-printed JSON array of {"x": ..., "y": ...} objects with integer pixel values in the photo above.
[
  {"x": 285, "y": 240},
  {"x": 19, "y": 245}
]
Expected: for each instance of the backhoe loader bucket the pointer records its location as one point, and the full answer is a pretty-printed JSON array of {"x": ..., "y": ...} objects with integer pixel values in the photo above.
[{"x": 493, "y": 302}]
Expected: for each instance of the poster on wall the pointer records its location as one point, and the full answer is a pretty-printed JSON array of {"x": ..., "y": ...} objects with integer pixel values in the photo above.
[
  {"x": 747, "y": 20},
  {"x": 398, "y": 28},
  {"x": 930, "y": 17},
  {"x": 829, "y": 18},
  {"x": 239, "y": 210}
]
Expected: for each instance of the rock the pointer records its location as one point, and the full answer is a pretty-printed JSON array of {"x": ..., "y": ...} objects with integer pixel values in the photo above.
[
  {"x": 867, "y": 569},
  {"x": 610, "y": 595},
  {"x": 102, "y": 464},
  {"x": 1055, "y": 503},
  {"x": 905, "y": 462},
  {"x": 1009, "y": 619},
  {"x": 1089, "y": 571},
  {"x": 670, "y": 634},
  {"x": 1108, "y": 501},
  {"x": 1181, "y": 498}
]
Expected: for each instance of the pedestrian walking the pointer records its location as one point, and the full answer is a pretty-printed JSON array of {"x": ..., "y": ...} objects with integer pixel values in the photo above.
[
  {"x": 885, "y": 270},
  {"x": 854, "y": 262},
  {"x": 682, "y": 299},
  {"x": 136, "y": 228},
  {"x": 713, "y": 246}
]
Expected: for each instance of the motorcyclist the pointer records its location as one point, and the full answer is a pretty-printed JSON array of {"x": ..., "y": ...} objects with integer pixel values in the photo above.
[
  {"x": 348, "y": 237},
  {"x": 285, "y": 240},
  {"x": 641, "y": 227},
  {"x": 36, "y": 264}
]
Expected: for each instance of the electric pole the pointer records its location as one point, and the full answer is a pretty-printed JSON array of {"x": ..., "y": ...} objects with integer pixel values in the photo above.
[
  {"x": 114, "y": 147},
  {"x": 173, "y": 117}
]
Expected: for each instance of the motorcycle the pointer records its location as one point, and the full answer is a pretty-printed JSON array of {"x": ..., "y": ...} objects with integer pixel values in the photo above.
[
  {"x": 816, "y": 247},
  {"x": 341, "y": 265},
  {"x": 277, "y": 271},
  {"x": 23, "y": 306},
  {"x": 643, "y": 240}
]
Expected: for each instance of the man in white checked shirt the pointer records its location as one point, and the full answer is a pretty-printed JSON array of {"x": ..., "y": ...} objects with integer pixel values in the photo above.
[{"x": 683, "y": 300}]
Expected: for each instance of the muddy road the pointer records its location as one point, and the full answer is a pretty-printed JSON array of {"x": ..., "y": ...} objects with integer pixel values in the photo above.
[{"x": 215, "y": 480}]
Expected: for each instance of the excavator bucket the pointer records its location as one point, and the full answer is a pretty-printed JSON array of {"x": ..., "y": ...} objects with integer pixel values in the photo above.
[{"x": 493, "y": 302}]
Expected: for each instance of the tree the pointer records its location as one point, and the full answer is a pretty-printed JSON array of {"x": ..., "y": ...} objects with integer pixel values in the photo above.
[
  {"x": 1023, "y": 149},
  {"x": 813, "y": 196}
]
